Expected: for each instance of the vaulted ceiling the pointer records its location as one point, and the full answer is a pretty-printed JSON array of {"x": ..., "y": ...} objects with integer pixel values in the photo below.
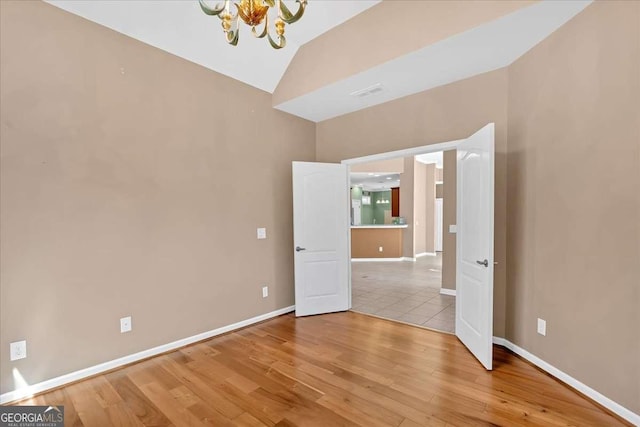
[{"x": 347, "y": 55}]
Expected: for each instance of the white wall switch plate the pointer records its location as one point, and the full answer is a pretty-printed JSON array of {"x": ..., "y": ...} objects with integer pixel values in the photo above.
[
  {"x": 18, "y": 350},
  {"x": 542, "y": 327},
  {"x": 125, "y": 324},
  {"x": 265, "y": 291},
  {"x": 380, "y": 249},
  {"x": 262, "y": 233},
  {"x": 452, "y": 229}
]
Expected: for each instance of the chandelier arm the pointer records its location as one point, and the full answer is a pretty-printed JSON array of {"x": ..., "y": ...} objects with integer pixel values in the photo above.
[
  {"x": 283, "y": 42},
  {"x": 286, "y": 15},
  {"x": 216, "y": 11},
  {"x": 233, "y": 36},
  {"x": 264, "y": 31}
]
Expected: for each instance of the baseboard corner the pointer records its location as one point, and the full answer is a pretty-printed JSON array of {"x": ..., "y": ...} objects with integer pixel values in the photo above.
[{"x": 582, "y": 388}]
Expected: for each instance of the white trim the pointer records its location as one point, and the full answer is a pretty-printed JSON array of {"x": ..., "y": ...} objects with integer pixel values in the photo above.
[
  {"x": 409, "y": 152},
  {"x": 19, "y": 394},
  {"x": 382, "y": 259},
  {"x": 614, "y": 407},
  {"x": 452, "y": 292},
  {"x": 420, "y": 255}
]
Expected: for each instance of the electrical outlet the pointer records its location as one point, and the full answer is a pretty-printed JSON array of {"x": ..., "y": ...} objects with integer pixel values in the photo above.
[
  {"x": 265, "y": 291},
  {"x": 380, "y": 249},
  {"x": 125, "y": 324},
  {"x": 262, "y": 233},
  {"x": 18, "y": 350},
  {"x": 542, "y": 327}
]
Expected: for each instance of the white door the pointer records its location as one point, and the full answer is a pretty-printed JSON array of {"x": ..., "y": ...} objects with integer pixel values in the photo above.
[
  {"x": 438, "y": 225},
  {"x": 321, "y": 220},
  {"x": 474, "y": 244}
]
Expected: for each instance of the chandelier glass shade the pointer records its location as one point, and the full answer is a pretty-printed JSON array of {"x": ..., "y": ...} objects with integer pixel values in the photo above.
[{"x": 254, "y": 13}]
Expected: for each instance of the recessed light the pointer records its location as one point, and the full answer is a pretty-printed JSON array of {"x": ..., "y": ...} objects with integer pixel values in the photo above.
[
  {"x": 370, "y": 174},
  {"x": 389, "y": 177},
  {"x": 377, "y": 174}
]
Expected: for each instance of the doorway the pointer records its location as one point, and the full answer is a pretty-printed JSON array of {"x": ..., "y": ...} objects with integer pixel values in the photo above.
[
  {"x": 396, "y": 254},
  {"x": 322, "y": 243}
]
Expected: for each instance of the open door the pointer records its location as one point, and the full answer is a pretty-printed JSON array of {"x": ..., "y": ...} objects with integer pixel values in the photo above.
[
  {"x": 321, "y": 237},
  {"x": 474, "y": 244}
]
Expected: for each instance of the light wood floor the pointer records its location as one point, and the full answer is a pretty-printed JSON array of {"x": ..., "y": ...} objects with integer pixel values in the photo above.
[{"x": 336, "y": 369}]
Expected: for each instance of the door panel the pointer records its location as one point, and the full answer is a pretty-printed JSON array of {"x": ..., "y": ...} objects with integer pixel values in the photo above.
[
  {"x": 474, "y": 244},
  {"x": 321, "y": 219}
]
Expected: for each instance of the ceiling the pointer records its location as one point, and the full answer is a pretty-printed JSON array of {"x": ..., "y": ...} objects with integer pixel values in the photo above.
[
  {"x": 429, "y": 158},
  {"x": 378, "y": 181},
  {"x": 375, "y": 181},
  {"x": 484, "y": 48},
  {"x": 181, "y": 28}
]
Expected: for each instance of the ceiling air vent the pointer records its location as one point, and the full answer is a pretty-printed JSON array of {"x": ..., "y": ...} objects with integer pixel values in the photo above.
[{"x": 371, "y": 90}]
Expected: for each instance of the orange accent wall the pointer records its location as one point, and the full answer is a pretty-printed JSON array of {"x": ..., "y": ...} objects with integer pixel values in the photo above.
[{"x": 366, "y": 241}]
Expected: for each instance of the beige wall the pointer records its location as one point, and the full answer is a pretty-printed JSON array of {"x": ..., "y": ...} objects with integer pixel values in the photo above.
[
  {"x": 131, "y": 194},
  {"x": 442, "y": 114},
  {"x": 574, "y": 235},
  {"x": 449, "y": 217},
  {"x": 382, "y": 166},
  {"x": 424, "y": 207},
  {"x": 419, "y": 207},
  {"x": 406, "y": 206},
  {"x": 429, "y": 209}
]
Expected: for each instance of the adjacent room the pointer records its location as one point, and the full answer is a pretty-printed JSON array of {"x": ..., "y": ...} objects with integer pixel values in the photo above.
[
  {"x": 313, "y": 213},
  {"x": 397, "y": 265}
]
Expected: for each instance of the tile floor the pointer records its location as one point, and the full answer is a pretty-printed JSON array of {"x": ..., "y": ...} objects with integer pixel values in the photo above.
[{"x": 405, "y": 291}]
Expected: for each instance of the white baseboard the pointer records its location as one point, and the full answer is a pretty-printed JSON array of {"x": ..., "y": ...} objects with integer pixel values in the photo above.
[
  {"x": 445, "y": 291},
  {"x": 40, "y": 387},
  {"x": 420, "y": 255},
  {"x": 614, "y": 407},
  {"x": 107, "y": 366},
  {"x": 381, "y": 259}
]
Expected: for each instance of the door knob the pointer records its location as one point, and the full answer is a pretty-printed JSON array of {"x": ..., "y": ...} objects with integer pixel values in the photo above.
[
  {"x": 298, "y": 249},
  {"x": 485, "y": 263}
]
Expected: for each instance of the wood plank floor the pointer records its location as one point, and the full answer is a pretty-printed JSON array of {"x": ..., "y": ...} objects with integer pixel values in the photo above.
[{"x": 337, "y": 369}]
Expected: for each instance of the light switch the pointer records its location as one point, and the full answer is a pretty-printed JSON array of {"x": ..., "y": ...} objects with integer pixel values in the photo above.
[
  {"x": 262, "y": 233},
  {"x": 542, "y": 327},
  {"x": 452, "y": 228}
]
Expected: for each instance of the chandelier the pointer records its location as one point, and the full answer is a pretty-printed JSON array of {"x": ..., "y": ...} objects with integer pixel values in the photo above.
[{"x": 253, "y": 13}]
